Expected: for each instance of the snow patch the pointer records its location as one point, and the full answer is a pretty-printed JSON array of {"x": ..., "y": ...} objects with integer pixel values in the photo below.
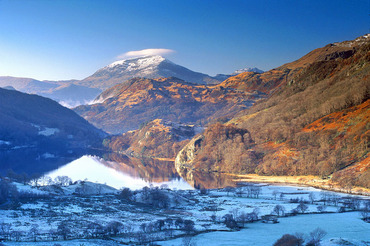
[
  {"x": 48, "y": 156},
  {"x": 248, "y": 69},
  {"x": 48, "y": 131}
]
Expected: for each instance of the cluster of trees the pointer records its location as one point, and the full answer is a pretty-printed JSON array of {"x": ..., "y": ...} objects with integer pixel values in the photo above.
[
  {"x": 225, "y": 148},
  {"x": 153, "y": 196},
  {"x": 46, "y": 180},
  {"x": 236, "y": 219},
  {"x": 8, "y": 191}
]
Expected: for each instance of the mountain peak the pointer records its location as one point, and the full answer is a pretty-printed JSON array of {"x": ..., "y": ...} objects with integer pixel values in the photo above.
[
  {"x": 138, "y": 62},
  {"x": 145, "y": 67}
]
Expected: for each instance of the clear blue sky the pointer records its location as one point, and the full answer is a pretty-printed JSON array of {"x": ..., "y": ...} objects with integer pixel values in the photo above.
[{"x": 65, "y": 39}]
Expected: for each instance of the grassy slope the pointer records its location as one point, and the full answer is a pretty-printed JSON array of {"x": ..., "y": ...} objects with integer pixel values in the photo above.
[{"x": 316, "y": 120}]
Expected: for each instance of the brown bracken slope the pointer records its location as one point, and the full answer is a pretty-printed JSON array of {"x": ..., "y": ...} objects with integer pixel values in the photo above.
[
  {"x": 315, "y": 120},
  {"x": 125, "y": 106}
]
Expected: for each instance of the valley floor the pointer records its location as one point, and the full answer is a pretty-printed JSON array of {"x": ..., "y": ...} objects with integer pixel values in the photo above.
[{"x": 68, "y": 218}]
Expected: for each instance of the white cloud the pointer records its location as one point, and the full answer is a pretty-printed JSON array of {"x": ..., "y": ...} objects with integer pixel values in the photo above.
[{"x": 146, "y": 52}]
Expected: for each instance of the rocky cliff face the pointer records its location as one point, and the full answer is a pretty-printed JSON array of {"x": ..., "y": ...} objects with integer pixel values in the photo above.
[{"x": 185, "y": 158}]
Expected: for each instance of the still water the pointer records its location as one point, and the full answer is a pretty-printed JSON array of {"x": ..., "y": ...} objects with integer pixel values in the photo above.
[
  {"x": 108, "y": 168},
  {"x": 121, "y": 174}
]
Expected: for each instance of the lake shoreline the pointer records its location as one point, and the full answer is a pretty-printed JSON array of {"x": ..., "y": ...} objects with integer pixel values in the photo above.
[{"x": 309, "y": 181}]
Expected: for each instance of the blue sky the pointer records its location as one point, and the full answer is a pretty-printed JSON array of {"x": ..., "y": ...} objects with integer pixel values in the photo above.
[{"x": 71, "y": 39}]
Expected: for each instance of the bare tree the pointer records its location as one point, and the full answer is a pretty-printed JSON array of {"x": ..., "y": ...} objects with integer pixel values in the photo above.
[
  {"x": 5, "y": 230},
  {"x": 62, "y": 180},
  {"x": 316, "y": 236},
  {"x": 34, "y": 232},
  {"x": 189, "y": 226},
  {"x": 188, "y": 241},
  {"x": 279, "y": 210},
  {"x": 312, "y": 197},
  {"x": 302, "y": 207},
  {"x": 324, "y": 197},
  {"x": 114, "y": 227},
  {"x": 275, "y": 193},
  {"x": 321, "y": 208},
  {"x": 63, "y": 230}
]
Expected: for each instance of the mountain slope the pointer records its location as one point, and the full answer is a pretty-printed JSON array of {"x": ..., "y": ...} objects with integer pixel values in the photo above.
[
  {"x": 144, "y": 67},
  {"x": 315, "y": 121},
  {"x": 158, "y": 139},
  {"x": 30, "y": 120},
  {"x": 125, "y": 106}
]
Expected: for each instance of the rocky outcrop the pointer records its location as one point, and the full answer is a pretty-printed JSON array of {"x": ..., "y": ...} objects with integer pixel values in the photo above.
[{"x": 184, "y": 159}]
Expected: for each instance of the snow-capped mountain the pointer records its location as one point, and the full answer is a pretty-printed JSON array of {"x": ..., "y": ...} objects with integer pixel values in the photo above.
[
  {"x": 248, "y": 69},
  {"x": 146, "y": 67}
]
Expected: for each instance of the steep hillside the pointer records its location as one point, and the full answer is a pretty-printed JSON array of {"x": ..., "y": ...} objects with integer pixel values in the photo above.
[
  {"x": 315, "y": 121},
  {"x": 27, "y": 85},
  {"x": 145, "y": 67},
  {"x": 158, "y": 138},
  {"x": 125, "y": 106},
  {"x": 30, "y": 120}
]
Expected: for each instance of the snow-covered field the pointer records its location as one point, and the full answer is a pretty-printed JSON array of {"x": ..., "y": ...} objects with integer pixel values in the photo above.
[
  {"x": 345, "y": 226},
  {"x": 157, "y": 215}
]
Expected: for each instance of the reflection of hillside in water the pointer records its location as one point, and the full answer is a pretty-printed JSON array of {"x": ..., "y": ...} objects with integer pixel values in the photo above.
[
  {"x": 200, "y": 180},
  {"x": 151, "y": 170},
  {"x": 35, "y": 162},
  {"x": 154, "y": 170}
]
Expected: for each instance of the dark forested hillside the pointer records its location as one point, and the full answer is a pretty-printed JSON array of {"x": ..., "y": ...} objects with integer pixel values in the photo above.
[{"x": 30, "y": 120}]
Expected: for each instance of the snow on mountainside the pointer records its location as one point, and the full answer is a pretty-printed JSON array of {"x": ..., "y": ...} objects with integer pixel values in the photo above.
[
  {"x": 138, "y": 63},
  {"x": 248, "y": 69},
  {"x": 146, "y": 67}
]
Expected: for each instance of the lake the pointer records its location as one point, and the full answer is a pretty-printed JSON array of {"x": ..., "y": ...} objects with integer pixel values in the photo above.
[
  {"x": 113, "y": 169},
  {"x": 125, "y": 173}
]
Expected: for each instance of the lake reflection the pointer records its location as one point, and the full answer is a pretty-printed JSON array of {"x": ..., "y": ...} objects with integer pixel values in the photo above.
[{"x": 120, "y": 174}]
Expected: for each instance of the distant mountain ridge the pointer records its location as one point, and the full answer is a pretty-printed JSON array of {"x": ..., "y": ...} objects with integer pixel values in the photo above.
[
  {"x": 144, "y": 67},
  {"x": 72, "y": 93},
  {"x": 66, "y": 92}
]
